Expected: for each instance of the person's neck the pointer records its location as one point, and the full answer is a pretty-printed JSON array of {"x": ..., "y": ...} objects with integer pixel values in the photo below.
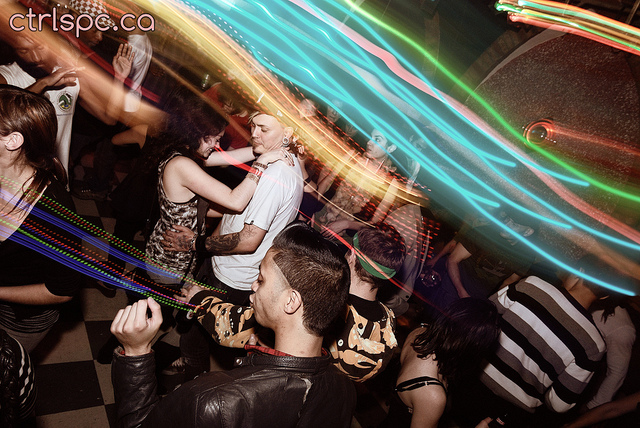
[
  {"x": 14, "y": 174},
  {"x": 363, "y": 289},
  {"x": 298, "y": 343},
  {"x": 582, "y": 294}
]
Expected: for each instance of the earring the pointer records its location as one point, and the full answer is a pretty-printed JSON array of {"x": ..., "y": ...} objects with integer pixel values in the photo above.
[{"x": 285, "y": 141}]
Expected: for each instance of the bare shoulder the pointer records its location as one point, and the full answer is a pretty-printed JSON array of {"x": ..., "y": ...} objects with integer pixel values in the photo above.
[
  {"x": 181, "y": 164},
  {"x": 411, "y": 337}
]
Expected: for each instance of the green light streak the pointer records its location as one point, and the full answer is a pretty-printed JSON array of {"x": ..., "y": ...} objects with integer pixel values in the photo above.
[{"x": 490, "y": 110}]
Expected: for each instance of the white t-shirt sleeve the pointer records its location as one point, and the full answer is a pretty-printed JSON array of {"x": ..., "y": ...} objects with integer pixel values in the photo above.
[{"x": 269, "y": 198}]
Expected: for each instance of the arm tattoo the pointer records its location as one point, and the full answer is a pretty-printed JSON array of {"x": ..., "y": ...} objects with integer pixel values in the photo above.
[{"x": 223, "y": 244}]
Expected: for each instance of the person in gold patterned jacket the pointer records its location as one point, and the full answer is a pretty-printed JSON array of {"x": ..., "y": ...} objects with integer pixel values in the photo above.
[{"x": 366, "y": 342}]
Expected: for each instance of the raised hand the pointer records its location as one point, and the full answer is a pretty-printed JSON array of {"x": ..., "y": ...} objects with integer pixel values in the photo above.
[
  {"x": 134, "y": 329},
  {"x": 188, "y": 291},
  {"x": 64, "y": 76},
  {"x": 123, "y": 61},
  {"x": 276, "y": 155}
]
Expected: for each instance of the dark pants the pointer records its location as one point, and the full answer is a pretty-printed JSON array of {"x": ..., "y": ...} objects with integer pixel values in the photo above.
[{"x": 195, "y": 343}]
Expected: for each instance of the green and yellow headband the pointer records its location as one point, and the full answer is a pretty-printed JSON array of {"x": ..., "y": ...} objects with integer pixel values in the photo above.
[{"x": 371, "y": 266}]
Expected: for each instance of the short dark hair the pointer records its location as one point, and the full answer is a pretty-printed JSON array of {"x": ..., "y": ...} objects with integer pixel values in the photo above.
[
  {"x": 317, "y": 269},
  {"x": 460, "y": 337},
  {"x": 383, "y": 245}
]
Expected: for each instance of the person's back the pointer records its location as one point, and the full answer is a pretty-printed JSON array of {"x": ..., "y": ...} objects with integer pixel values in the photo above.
[
  {"x": 274, "y": 205},
  {"x": 367, "y": 342},
  {"x": 549, "y": 347},
  {"x": 263, "y": 390},
  {"x": 302, "y": 287}
]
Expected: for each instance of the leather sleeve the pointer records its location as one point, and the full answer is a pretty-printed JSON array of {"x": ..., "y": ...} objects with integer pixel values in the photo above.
[{"x": 134, "y": 387}]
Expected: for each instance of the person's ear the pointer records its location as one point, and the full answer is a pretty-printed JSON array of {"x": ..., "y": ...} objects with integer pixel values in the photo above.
[
  {"x": 392, "y": 148},
  {"x": 288, "y": 132},
  {"x": 14, "y": 141},
  {"x": 351, "y": 257},
  {"x": 293, "y": 302}
]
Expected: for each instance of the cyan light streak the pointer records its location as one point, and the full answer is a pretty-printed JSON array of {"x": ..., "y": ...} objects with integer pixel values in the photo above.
[
  {"x": 329, "y": 90},
  {"x": 377, "y": 122},
  {"x": 398, "y": 138},
  {"x": 260, "y": 29},
  {"x": 540, "y": 150}
]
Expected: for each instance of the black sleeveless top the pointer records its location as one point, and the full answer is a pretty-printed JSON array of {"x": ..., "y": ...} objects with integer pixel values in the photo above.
[{"x": 418, "y": 382}]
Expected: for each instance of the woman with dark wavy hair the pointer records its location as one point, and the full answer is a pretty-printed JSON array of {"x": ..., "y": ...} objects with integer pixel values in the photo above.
[
  {"x": 437, "y": 357},
  {"x": 30, "y": 176},
  {"x": 191, "y": 136}
]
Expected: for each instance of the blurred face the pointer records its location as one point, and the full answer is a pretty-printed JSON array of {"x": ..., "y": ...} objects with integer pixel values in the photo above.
[
  {"x": 268, "y": 292},
  {"x": 332, "y": 115},
  {"x": 376, "y": 146},
  {"x": 91, "y": 37},
  {"x": 266, "y": 133},
  {"x": 228, "y": 106},
  {"x": 209, "y": 144},
  {"x": 350, "y": 130},
  {"x": 518, "y": 228},
  {"x": 307, "y": 108},
  {"x": 420, "y": 145},
  {"x": 34, "y": 56}
]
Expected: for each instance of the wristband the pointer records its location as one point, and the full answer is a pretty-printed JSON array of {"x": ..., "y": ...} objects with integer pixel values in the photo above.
[
  {"x": 256, "y": 172},
  {"x": 193, "y": 241},
  {"x": 259, "y": 165},
  {"x": 253, "y": 177}
]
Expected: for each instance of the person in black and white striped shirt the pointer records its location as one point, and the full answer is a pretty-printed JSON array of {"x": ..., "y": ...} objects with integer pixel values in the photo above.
[{"x": 549, "y": 345}]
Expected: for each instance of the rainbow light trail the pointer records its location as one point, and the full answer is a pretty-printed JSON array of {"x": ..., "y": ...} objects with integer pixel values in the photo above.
[{"x": 264, "y": 44}]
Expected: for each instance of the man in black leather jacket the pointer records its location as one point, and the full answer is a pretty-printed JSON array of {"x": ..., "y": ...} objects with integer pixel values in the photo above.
[{"x": 302, "y": 287}]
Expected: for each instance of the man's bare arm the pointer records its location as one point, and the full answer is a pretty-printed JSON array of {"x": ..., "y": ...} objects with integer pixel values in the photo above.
[{"x": 244, "y": 242}]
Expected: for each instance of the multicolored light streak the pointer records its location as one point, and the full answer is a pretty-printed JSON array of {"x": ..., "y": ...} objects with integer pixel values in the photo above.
[
  {"x": 71, "y": 251},
  {"x": 304, "y": 42},
  {"x": 575, "y": 20}
]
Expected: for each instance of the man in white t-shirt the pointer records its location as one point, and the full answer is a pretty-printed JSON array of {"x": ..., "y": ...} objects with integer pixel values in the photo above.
[{"x": 241, "y": 240}]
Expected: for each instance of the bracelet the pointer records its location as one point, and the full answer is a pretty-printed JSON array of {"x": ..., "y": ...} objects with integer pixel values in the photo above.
[
  {"x": 255, "y": 172},
  {"x": 253, "y": 177},
  {"x": 259, "y": 165},
  {"x": 192, "y": 242}
]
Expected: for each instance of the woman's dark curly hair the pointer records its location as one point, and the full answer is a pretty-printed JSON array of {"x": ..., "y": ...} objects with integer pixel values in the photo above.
[
  {"x": 189, "y": 119},
  {"x": 460, "y": 338}
]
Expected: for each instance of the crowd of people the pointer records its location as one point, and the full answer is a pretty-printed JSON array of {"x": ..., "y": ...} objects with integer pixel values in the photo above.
[{"x": 298, "y": 271}]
